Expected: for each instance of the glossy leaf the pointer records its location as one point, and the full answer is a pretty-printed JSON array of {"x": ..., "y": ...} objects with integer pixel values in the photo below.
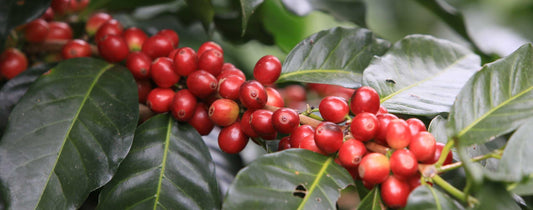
[
  {"x": 421, "y": 75},
  {"x": 248, "y": 7},
  {"x": 203, "y": 10},
  {"x": 15, "y": 88},
  {"x": 426, "y": 197},
  {"x": 372, "y": 200},
  {"x": 168, "y": 167},
  {"x": 524, "y": 188},
  {"x": 496, "y": 100},
  {"x": 495, "y": 196},
  {"x": 16, "y": 12},
  {"x": 67, "y": 135},
  {"x": 351, "y": 10},
  {"x": 290, "y": 179},
  {"x": 336, "y": 56}
]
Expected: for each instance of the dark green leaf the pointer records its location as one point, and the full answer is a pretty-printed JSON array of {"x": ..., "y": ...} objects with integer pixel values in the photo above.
[
  {"x": 421, "y": 75},
  {"x": 124, "y": 4},
  {"x": 248, "y": 7},
  {"x": 16, "y": 12},
  {"x": 372, "y": 200},
  {"x": 168, "y": 167},
  {"x": 351, "y": 10},
  {"x": 495, "y": 196},
  {"x": 290, "y": 179},
  {"x": 15, "y": 88},
  {"x": 203, "y": 10},
  {"x": 67, "y": 135},
  {"x": 496, "y": 100},
  {"x": 336, "y": 56},
  {"x": 426, "y": 197}
]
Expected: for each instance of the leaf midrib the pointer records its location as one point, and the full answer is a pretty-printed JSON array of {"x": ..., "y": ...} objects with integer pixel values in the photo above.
[
  {"x": 290, "y": 74},
  {"x": 315, "y": 182},
  {"x": 74, "y": 120},
  {"x": 163, "y": 163}
]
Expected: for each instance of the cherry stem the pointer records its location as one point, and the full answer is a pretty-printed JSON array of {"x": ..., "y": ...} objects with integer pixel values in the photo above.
[
  {"x": 375, "y": 147},
  {"x": 444, "y": 153},
  {"x": 452, "y": 166},
  {"x": 453, "y": 191},
  {"x": 54, "y": 46}
]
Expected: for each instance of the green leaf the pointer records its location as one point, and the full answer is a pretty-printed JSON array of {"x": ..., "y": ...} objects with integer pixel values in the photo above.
[
  {"x": 335, "y": 56},
  {"x": 168, "y": 167},
  {"x": 524, "y": 188},
  {"x": 17, "y": 12},
  {"x": 372, "y": 200},
  {"x": 496, "y": 100},
  {"x": 421, "y": 75},
  {"x": 351, "y": 10},
  {"x": 68, "y": 134},
  {"x": 494, "y": 196},
  {"x": 426, "y": 197},
  {"x": 203, "y": 10},
  {"x": 248, "y": 8},
  {"x": 15, "y": 88},
  {"x": 290, "y": 179}
]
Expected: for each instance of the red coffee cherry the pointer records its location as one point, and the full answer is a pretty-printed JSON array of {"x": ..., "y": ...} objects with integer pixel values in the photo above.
[
  {"x": 246, "y": 125},
  {"x": 185, "y": 61},
  {"x": 231, "y": 139},
  {"x": 157, "y": 46},
  {"x": 229, "y": 87},
  {"x": 438, "y": 152},
  {"x": 36, "y": 30},
  {"x": 364, "y": 126},
  {"x": 76, "y": 48},
  {"x": 423, "y": 146},
  {"x": 351, "y": 153},
  {"x": 295, "y": 93},
  {"x": 110, "y": 27},
  {"x": 211, "y": 61},
  {"x": 285, "y": 120},
  {"x": 230, "y": 71},
  {"x": 261, "y": 122},
  {"x": 274, "y": 97},
  {"x": 200, "y": 120},
  {"x": 139, "y": 65},
  {"x": 202, "y": 84},
  {"x": 60, "y": 7},
  {"x": 333, "y": 109},
  {"x": 382, "y": 110},
  {"x": 183, "y": 105},
  {"x": 398, "y": 134},
  {"x": 329, "y": 137},
  {"x": 135, "y": 38},
  {"x": 208, "y": 46},
  {"x": 394, "y": 192},
  {"x": 415, "y": 125},
  {"x": 144, "y": 87},
  {"x": 253, "y": 95},
  {"x": 95, "y": 21},
  {"x": 77, "y": 5},
  {"x": 267, "y": 69},
  {"x": 300, "y": 133},
  {"x": 171, "y": 35},
  {"x": 12, "y": 63},
  {"x": 403, "y": 163},
  {"x": 309, "y": 143},
  {"x": 48, "y": 14},
  {"x": 162, "y": 72},
  {"x": 284, "y": 143},
  {"x": 224, "y": 112},
  {"x": 159, "y": 99},
  {"x": 59, "y": 31},
  {"x": 113, "y": 48},
  {"x": 364, "y": 99},
  {"x": 383, "y": 122},
  {"x": 374, "y": 168}
]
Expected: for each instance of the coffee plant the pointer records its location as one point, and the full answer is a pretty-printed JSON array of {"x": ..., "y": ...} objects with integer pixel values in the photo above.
[{"x": 265, "y": 104}]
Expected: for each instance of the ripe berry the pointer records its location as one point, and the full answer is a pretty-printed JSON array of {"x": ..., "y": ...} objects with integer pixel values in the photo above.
[
  {"x": 285, "y": 120},
  {"x": 211, "y": 61},
  {"x": 309, "y": 143},
  {"x": 183, "y": 105},
  {"x": 423, "y": 146},
  {"x": 226, "y": 72},
  {"x": 208, "y": 46},
  {"x": 398, "y": 134},
  {"x": 403, "y": 163},
  {"x": 171, "y": 35},
  {"x": 351, "y": 153},
  {"x": 144, "y": 87},
  {"x": 159, "y": 99},
  {"x": 229, "y": 87},
  {"x": 202, "y": 84},
  {"x": 333, "y": 109},
  {"x": 139, "y": 65},
  {"x": 374, "y": 168},
  {"x": 60, "y": 7},
  {"x": 157, "y": 46},
  {"x": 135, "y": 38},
  {"x": 267, "y": 69},
  {"x": 364, "y": 99},
  {"x": 113, "y": 48},
  {"x": 59, "y": 31},
  {"x": 274, "y": 97},
  {"x": 284, "y": 143},
  {"x": 364, "y": 126},
  {"x": 300, "y": 133},
  {"x": 231, "y": 139},
  {"x": 415, "y": 125},
  {"x": 394, "y": 192},
  {"x": 200, "y": 120},
  {"x": 36, "y": 30},
  {"x": 261, "y": 122},
  {"x": 246, "y": 125},
  {"x": 438, "y": 152},
  {"x": 329, "y": 137},
  {"x": 162, "y": 72},
  {"x": 77, "y": 5},
  {"x": 110, "y": 27},
  {"x": 383, "y": 122},
  {"x": 95, "y": 21},
  {"x": 253, "y": 95},
  {"x": 48, "y": 14},
  {"x": 295, "y": 93},
  {"x": 185, "y": 61},
  {"x": 224, "y": 112},
  {"x": 12, "y": 63},
  {"x": 76, "y": 48}
]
